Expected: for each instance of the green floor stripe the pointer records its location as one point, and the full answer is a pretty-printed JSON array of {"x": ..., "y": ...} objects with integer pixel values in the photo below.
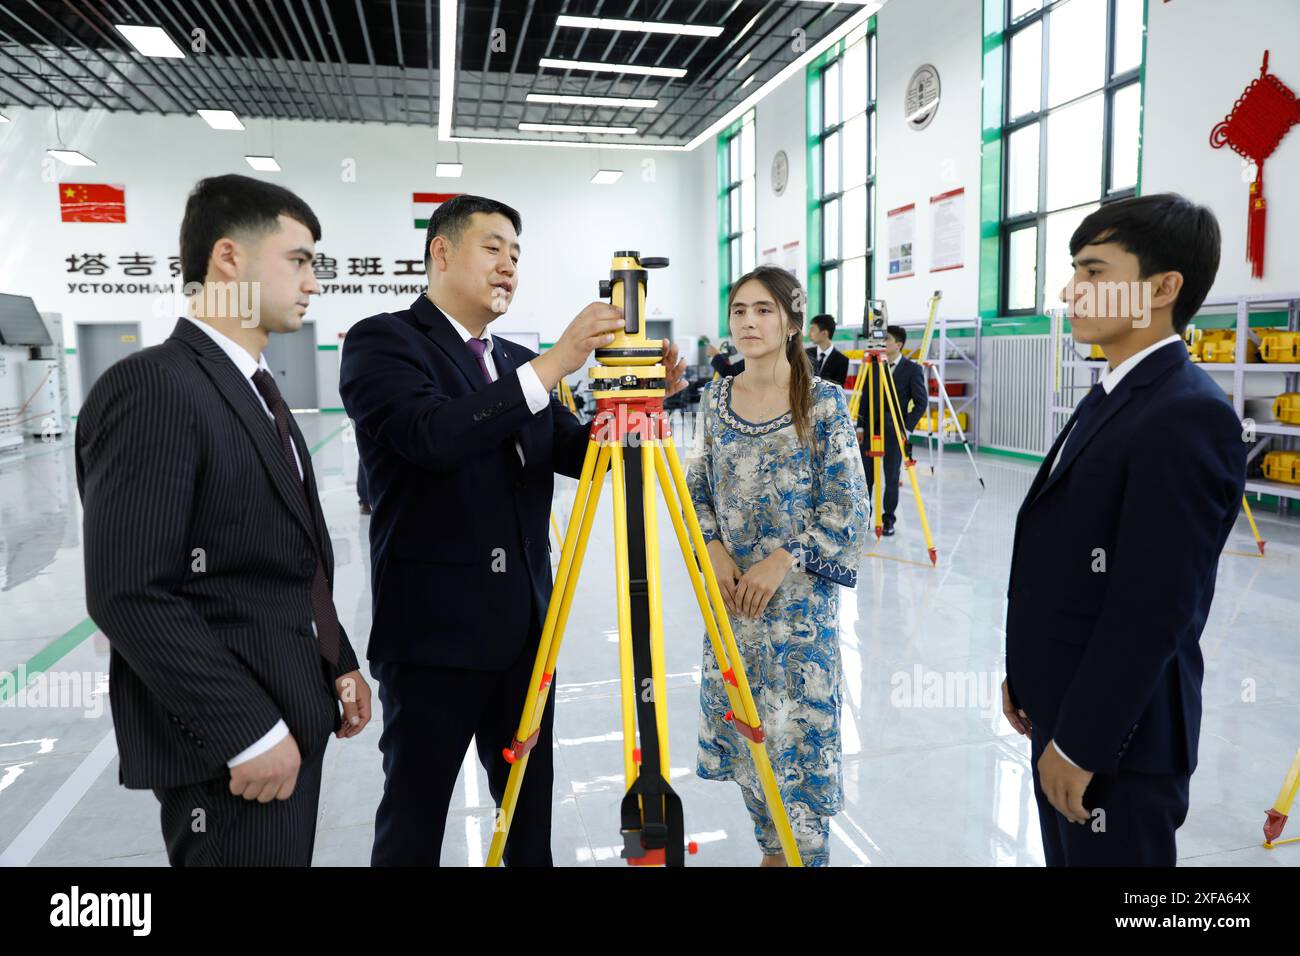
[
  {"x": 44, "y": 659},
  {"x": 11, "y": 682}
]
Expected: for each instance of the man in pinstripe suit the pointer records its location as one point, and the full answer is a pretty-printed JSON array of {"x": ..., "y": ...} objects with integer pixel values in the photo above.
[{"x": 208, "y": 561}]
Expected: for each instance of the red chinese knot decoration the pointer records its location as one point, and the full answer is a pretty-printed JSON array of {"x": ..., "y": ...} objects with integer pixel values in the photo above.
[{"x": 1262, "y": 115}]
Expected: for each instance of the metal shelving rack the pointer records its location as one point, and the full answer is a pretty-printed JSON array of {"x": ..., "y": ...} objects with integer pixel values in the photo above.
[
  {"x": 1272, "y": 436},
  {"x": 948, "y": 354}
]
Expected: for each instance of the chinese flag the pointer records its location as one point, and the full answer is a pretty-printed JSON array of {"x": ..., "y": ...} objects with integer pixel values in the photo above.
[{"x": 92, "y": 202}]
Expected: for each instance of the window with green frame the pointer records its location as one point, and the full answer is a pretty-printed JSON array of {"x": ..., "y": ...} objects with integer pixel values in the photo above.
[
  {"x": 1071, "y": 129},
  {"x": 738, "y": 240},
  {"x": 842, "y": 164}
]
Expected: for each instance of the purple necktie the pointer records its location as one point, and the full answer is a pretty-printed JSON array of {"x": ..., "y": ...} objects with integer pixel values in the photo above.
[{"x": 479, "y": 347}]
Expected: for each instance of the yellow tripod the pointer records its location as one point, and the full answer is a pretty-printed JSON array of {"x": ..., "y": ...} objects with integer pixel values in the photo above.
[
  {"x": 630, "y": 435},
  {"x": 1275, "y": 819},
  {"x": 882, "y": 398}
]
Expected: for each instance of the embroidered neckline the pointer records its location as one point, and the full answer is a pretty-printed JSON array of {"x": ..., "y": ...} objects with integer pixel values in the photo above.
[{"x": 742, "y": 425}]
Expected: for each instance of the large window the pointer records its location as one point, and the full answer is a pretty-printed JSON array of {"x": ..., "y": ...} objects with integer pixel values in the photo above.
[
  {"x": 1070, "y": 133},
  {"x": 736, "y": 204},
  {"x": 842, "y": 162}
]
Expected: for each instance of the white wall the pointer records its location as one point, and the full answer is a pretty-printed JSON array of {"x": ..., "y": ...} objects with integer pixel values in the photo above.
[
  {"x": 780, "y": 124},
  {"x": 1200, "y": 57},
  {"x": 661, "y": 206},
  {"x": 915, "y": 165}
]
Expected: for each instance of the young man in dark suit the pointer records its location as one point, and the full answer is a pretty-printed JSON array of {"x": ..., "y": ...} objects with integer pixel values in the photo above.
[
  {"x": 460, "y": 440},
  {"x": 909, "y": 382},
  {"x": 828, "y": 362},
  {"x": 1117, "y": 546},
  {"x": 208, "y": 560}
]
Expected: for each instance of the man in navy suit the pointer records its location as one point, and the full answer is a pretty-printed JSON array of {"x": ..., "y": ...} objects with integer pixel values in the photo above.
[
  {"x": 460, "y": 439},
  {"x": 1117, "y": 545}
]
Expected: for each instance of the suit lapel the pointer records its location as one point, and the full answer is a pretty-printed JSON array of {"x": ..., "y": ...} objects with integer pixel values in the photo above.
[
  {"x": 261, "y": 429},
  {"x": 1139, "y": 377},
  {"x": 506, "y": 366},
  {"x": 439, "y": 330}
]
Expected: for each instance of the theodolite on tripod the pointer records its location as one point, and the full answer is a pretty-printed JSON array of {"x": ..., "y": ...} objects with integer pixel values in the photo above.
[{"x": 631, "y": 437}]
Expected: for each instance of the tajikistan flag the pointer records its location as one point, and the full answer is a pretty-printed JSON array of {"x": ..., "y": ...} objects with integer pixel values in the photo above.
[{"x": 423, "y": 205}]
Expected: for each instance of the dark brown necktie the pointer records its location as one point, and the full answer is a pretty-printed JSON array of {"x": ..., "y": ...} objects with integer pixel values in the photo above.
[{"x": 322, "y": 603}]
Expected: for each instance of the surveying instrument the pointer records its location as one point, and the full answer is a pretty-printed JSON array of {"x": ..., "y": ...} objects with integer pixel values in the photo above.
[
  {"x": 630, "y": 436},
  {"x": 877, "y": 383}
]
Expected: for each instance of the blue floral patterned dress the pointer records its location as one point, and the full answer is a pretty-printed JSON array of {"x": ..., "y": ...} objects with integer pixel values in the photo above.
[{"x": 758, "y": 489}]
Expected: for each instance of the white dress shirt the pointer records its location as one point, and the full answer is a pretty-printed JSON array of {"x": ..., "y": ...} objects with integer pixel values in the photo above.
[
  {"x": 247, "y": 366},
  {"x": 1109, "y": 381},
  {"x": 1112, "y": 378},
  {"x": 535, "y": 393}
]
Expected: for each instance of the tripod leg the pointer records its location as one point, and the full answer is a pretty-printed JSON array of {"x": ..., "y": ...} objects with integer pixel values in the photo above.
[
  {"x": 895, "y": 413},
  {"x": 877, "y": 440},
  {"x": 557, "y": 613},
  {"x": 622, "y": 585},
  {"x": 1254, "y": 529},
  {"x": 649, "y": 459},
  {"x": 746, "y": 718},
  {"x": 965, "y": 443}
]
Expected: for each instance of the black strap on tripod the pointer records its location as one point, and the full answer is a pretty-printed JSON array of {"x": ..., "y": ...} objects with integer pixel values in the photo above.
[{"x": 651, "y": 812}]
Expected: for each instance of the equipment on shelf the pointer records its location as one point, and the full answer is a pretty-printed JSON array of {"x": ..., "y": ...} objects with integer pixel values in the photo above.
[
  {"x": 1279, "y": 346},
  {"x": 1286, "y": 408},
  {"x": 1283, "y": 466}
]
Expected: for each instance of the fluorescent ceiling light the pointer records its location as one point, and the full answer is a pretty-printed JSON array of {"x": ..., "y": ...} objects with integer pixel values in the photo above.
[
  {"x": 573, "y": 128},
  {"x": 265, "y": 164},
  {"x": 3, "y": 118},
  {"x": 637, "y": 26},
  {"x": 749, "y": 80},
  {"x": 221, "y": 119},
  {"x": 634, "y": 104},
  {"x": 449, "y": 169},
  {"x": 748, "y": 103},
  {"x": 594, "y": 67},
  {"x": 743, "y": 60},
  {"x": 151, "y": 41},
  {"x": 71, "y": 157},
  {"x": 605, "y": 177},
  {"x": 447, "y": 43}
]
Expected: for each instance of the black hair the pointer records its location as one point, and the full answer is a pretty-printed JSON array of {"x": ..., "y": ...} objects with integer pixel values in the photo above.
[
  {"x": 1168, "y": 233},
  {"x": 825, "y": 322},
  {"x": 222, "y": 205},
  {"x": 450, "y": 219},
  {"x": 898, "y": 332}
]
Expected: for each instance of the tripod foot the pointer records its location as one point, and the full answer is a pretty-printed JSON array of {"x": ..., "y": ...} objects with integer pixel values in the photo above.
[
  {"x": 934, "y": 557},
  {"x": 1273, "y": 824},
  {"x": 1260, "y": 544}
]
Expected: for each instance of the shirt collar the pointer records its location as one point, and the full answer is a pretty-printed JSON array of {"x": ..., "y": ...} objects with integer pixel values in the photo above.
[
  {"x": 237, "y": 353},
  {"x": 1110, "y": 381},
  {"x": 464, "y": 332}
]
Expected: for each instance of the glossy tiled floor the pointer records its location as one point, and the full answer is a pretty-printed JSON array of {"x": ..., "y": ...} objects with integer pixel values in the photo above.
[{"x": 925, "y": 785}]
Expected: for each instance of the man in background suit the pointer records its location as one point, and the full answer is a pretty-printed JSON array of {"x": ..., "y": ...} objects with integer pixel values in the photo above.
[
  {"x": 208, "y": 560},
  {"x": 460, "y": 440},
  {"x": 909, "y": 382},
  {"x": 1117, "y": 545},
  {"x": 828, "y": 362}
]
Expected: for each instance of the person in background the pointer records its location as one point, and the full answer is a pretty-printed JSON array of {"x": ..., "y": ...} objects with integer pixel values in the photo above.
[
  {"x": 909, "y": 382},
  {"x": 780, "y": 495},
  {"x": 828, "y": 362}
]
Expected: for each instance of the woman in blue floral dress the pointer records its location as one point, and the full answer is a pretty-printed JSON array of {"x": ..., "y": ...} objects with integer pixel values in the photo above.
[{"x": 779, "y": 488}]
